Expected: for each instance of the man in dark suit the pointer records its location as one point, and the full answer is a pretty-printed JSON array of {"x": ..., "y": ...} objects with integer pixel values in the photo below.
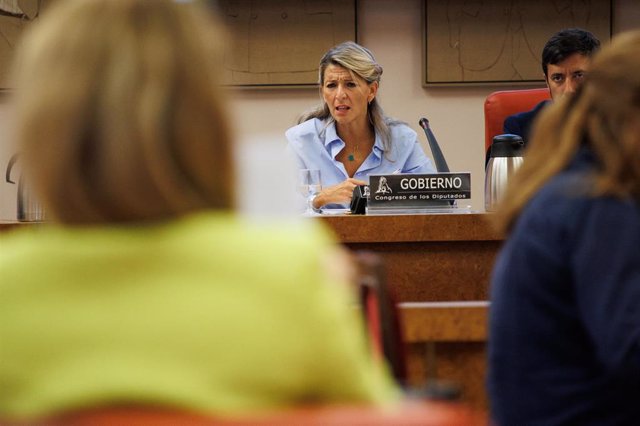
[{"x": 565, "y": 62}]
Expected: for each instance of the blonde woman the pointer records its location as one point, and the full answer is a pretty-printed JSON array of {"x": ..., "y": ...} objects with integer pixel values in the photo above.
[
  {"x": 564, "y": 343},
  {"x": 348, "y": 137},
  {"x": 146, "y": 288}
]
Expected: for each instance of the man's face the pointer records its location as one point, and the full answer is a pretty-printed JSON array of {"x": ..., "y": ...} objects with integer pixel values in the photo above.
[{"x": 565, "y": 77}]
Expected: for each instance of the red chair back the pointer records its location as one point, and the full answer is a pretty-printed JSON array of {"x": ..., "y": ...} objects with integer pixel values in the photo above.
[
  {"x": 381, "y": 314},
  {"x": 500, "y": 105}
]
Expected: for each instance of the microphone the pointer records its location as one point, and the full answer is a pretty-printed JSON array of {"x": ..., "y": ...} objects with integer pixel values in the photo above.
[{"x": 438, "y": 157}]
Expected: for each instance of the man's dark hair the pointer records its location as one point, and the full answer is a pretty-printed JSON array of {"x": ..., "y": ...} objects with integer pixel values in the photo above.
[{"x": 567, "y": 42}]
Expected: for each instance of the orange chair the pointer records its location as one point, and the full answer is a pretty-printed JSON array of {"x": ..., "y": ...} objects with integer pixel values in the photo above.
[
  {"x": 500, "y": 105},
  {"x": 410, "y": 413}
]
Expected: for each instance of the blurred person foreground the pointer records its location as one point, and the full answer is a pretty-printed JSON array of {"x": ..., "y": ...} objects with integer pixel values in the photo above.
[
  {"x": 565, "y": 295},
  {"x": 147, "y": 288}
]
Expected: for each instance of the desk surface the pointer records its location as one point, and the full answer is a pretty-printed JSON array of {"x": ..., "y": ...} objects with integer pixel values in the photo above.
[
  {"x": 393, "y": 228},
  {"x": 412, "y": 228}
]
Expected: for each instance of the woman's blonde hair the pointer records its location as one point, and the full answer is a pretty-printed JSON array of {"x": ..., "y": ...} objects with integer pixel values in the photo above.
[
  {"x": 604, "y": 115},
  {"x": 360, "y": 61},
  {"x": 120, "y": 115}
]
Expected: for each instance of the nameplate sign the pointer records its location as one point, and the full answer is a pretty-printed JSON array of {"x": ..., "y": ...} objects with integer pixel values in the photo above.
[{"x": 418, "y": 190}]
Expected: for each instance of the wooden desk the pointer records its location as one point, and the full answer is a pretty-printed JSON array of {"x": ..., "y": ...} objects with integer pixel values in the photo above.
[
  {"x": 443, "y": 257},
  {"x": 431, "y": 259}
]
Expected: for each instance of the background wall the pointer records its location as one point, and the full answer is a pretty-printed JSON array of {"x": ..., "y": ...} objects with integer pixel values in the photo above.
[{"x": 392, "y": 29}]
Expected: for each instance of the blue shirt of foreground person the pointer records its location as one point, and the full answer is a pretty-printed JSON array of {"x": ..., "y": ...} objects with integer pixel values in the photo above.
[
  {"x": 348, "y": 137},
  {"x": 565, "y": 62}
]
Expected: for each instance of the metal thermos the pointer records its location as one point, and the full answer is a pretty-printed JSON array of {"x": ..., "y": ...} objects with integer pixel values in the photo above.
[
  {"x": 29, "y": 208},
  {"x": 504, "y": 160}
]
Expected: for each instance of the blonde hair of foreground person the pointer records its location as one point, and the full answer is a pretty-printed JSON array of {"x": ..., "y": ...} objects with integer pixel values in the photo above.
[
  {"x": 604, "y": 114},
  {"x": 120, "y": 114}
]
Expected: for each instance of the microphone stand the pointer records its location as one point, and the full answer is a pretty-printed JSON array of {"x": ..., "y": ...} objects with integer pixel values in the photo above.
[{"x": 438, "y": 157}]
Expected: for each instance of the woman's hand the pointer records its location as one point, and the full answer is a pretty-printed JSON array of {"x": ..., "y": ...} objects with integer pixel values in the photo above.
[{"x": 337, "y": 194}]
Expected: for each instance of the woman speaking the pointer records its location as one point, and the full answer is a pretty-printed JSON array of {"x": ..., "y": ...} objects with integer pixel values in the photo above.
[{"x": 348, "y": 137}]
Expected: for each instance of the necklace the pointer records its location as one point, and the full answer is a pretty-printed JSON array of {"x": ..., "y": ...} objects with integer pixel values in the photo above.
[
  {"x": 354, "y": 153},
  {"x": 352, "y": 156}
]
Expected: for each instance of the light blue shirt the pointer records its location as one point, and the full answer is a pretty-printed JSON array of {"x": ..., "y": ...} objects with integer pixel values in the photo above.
[{"x": 315, "y": 145}]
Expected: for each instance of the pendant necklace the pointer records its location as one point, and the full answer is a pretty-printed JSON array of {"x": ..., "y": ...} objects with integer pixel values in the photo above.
[{"x": 351, "y": 157}]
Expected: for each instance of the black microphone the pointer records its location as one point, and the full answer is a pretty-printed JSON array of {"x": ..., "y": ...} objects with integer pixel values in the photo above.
[{"x": 438, "y": 157}]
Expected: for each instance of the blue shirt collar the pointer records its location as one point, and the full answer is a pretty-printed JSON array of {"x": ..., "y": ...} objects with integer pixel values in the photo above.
[
  {"x": 331, "y": 134},
  {"x": 334, "y": 144}
]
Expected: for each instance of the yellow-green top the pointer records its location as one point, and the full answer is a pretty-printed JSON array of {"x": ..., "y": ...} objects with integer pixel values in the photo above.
[{"x": 207, "y": 313}]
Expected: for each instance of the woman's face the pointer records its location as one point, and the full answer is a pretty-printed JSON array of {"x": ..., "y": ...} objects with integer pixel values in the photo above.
[{"x": 347, "y": 96}]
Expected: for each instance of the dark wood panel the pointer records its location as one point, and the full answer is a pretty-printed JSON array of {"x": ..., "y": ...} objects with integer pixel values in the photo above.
[
  {"x": 444, "y": 321},
  {"x": 427, "y": 257}
]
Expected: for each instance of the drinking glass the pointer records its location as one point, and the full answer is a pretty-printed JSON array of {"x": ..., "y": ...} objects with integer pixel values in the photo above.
[{"x": 309, "y": 185}]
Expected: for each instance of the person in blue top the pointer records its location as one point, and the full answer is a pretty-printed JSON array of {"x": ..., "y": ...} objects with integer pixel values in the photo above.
[
  {"x": 565, "y": 62},
  {"x": 349, "y": 137},
  {"x": 564, "y": 344}
]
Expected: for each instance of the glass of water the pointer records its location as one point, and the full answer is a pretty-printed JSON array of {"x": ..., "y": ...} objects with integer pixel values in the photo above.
[{"x": 309, "y": 186}]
